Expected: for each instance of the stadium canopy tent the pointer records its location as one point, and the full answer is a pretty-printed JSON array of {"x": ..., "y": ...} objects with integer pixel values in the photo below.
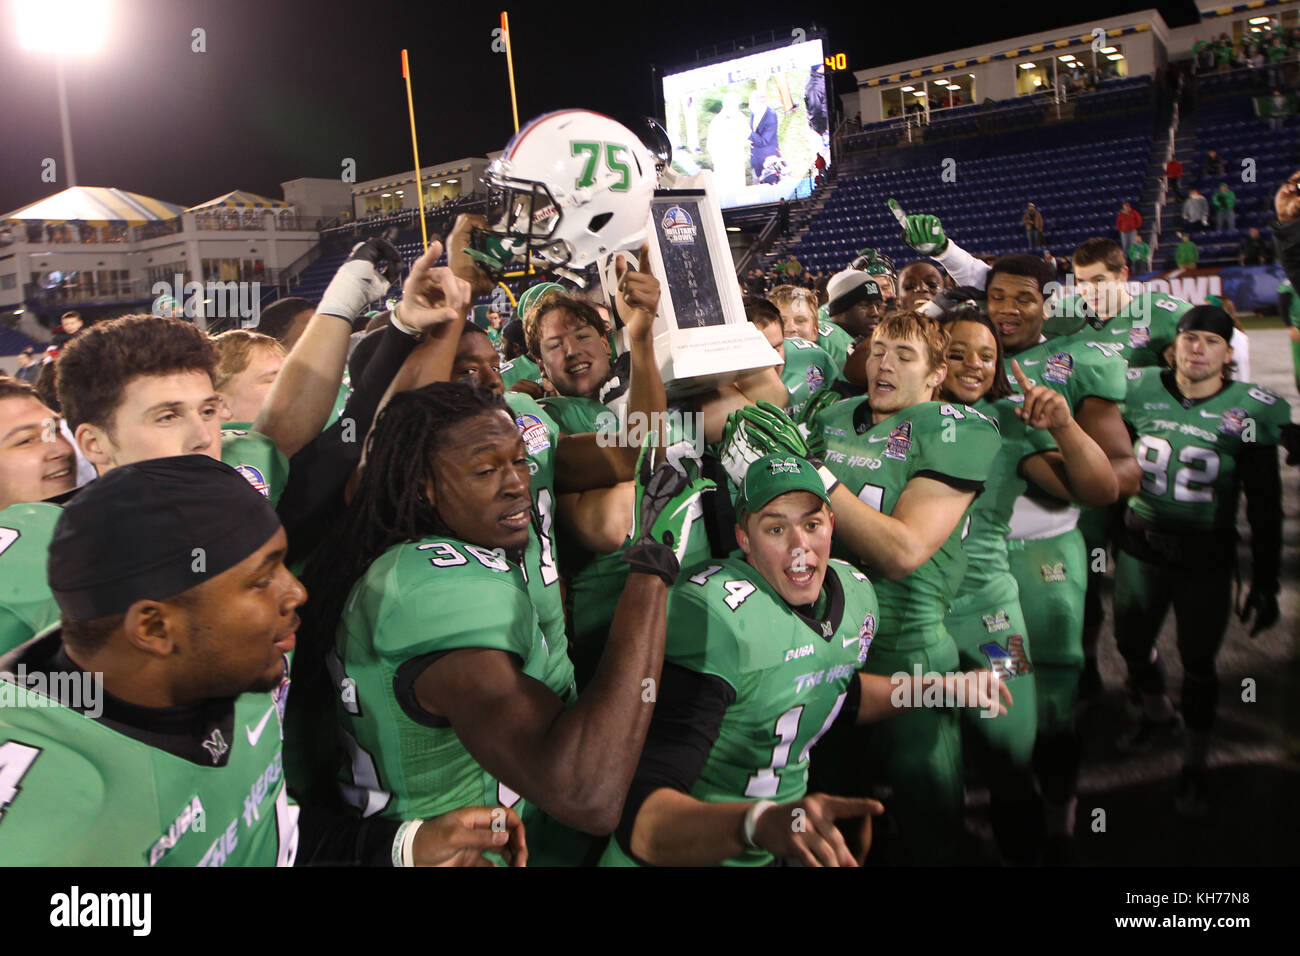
[
  {"x": 239, "y": 209},
  {"x": 95, "y": 205},
  {"x": 239, "y": 199}
]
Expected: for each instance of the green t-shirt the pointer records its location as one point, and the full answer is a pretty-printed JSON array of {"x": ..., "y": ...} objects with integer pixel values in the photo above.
[
  {"x": 416, "y": 600},
  {"x": 1224, "y": 199},
  {"x": 808, "y": 369},
  {"x": 521, "y": 369},
  {"x": 255, "y": 457},
  {"x": 26, "y": 605},
  {"x": 1188, "y": 455},
  {"x": 789, "y": 675},
  {"x": 990, "y": 515},
  {"x": 1138, "y": 251},
  {"x": 955, "y": 444},
  {"x": 1140, "y": 332},
  {"x": 1186, "y": 254},
  {"x": 77, "y": 792}
]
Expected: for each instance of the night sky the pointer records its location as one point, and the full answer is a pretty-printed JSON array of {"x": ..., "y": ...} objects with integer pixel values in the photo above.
[{"x": 289, "y": 88}]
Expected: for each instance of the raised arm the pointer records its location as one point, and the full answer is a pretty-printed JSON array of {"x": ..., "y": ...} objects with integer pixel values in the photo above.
[{"x": 897, "y": 544}]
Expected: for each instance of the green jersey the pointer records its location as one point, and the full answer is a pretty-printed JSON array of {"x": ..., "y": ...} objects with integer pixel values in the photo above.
[
  {"x": 521, "y": 369},
  {"x": 541, "y": 439},
  {"x": 836, "y": 343},
  {"x": 787, "y": 676},
  {"x": 1188, "y": 448},
  {"x": 340, "y": 400},
  {"x": 1139, "y": 333},
  {"x": 255, "y": 457},
  {"x": 990, "y": 516},
  {"x": 416, "y": 601},
  {"x": 26, "y": 605},
  {"x": 954, "y": 444},
  {"x": 1078, "y": 368},
  {"x": 74, "y": 791},
  {"x": 807, "y": 370}
]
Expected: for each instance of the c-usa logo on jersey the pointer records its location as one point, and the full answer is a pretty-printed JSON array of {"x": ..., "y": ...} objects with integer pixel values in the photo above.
[
  {"x": 255, "y": 478},
  {"x": 1233, "y": 421},
  {"x": 866, "y": 634}
]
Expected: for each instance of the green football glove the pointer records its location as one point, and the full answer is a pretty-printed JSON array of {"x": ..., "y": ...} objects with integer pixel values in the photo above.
[
  {"x": 755, "y": 431},
  {"x": 808, "y": 427},
  {"x": 666, "y": 509},
  {"x": 924, "y": 234}
]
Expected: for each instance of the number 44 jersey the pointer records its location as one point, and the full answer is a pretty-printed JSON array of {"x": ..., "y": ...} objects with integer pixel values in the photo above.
[{"x": 1188, "y": 449}]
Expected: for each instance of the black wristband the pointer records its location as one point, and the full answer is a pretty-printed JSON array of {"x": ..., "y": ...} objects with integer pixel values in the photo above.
[{"x": 650, "y": 557}]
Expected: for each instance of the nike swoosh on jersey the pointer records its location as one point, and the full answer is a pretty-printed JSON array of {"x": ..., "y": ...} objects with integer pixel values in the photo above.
[
  {"x": 1118, "y": 331},
  {"x": 877, "y": 438},
  {"x": 1210, "y": 415},
  {"x": 1035, "y": 362},
  {"x": 852, "y": 639},
  {"x": 255, "y": 735}
]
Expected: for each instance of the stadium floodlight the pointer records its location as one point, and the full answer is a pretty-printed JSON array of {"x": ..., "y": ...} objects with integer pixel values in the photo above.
[
  {"x": 63, "y": 28},
  {"x": 1115, "y": 56},
  {"x": 1027, "y": 66}
]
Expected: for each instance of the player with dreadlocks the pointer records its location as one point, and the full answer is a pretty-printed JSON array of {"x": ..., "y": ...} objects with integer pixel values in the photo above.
[{"x": 450, "y": 694}]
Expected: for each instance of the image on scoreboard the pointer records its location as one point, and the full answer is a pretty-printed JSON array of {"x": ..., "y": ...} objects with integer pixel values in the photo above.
[{"x": 758, "y": 122}]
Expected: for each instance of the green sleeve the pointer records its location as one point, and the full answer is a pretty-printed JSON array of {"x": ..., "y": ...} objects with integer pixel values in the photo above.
[
  {"x": 1096, "y": 376},
  {"x": 959, "y": 447},
  {"x": 575, "y": 415},
  {"x": 1271, "y": 410},
  {"x": 701, "y": 636},
  {"x": 448, "y": 611},
  {"x": 255, "y": 457}
]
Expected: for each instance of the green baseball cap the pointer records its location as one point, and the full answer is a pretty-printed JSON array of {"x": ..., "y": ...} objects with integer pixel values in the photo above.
[
  {"x": 775, "y": 475},
  {"x": 532, "y": 294}
]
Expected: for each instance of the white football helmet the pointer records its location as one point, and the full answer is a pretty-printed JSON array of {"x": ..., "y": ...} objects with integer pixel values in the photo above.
[{"x": 573, "y": 188}]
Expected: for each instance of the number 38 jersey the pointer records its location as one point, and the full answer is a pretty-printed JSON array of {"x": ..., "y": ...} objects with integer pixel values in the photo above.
[
  {"x": 417, "y": 601},
  {"x": 1188, "y": 448},
  {"x": 954, "y": 444}
]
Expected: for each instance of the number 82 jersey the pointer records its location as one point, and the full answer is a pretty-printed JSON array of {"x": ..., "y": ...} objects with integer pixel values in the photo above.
[{"x": 1188, "y": 449}]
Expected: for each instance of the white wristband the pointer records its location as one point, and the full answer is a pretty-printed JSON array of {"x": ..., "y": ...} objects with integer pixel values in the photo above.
[
  {"x": 751, "y": 820},
  {"x": 829, "y": 481},
  {"x": 400, "y": 325},
  {"x": 404, "y": 843}
]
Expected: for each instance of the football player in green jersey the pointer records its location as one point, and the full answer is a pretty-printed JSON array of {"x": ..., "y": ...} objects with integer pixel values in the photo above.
[
  {"x": 799, "y": 313},
  {"x": 856, "y": 303},
  {"x": 1046, "y": 548},
  {"x": 1042, "y": 444},
  {"x": 1201, "y": 438},
  {"x": 805, "y": 369},
  {"x": 518, "y": 366},
  {"x": 761, "y": 660},
  {"x": 448, "y": 691},
  {"x": 36, "y": 464},
  {"x": 145, "y": 730},
  {"x": 247, "y": 365},
  {"x": 909, "y": 468}
]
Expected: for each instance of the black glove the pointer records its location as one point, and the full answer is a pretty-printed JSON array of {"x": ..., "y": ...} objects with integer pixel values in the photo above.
[{"x": 1263, "y": 602}]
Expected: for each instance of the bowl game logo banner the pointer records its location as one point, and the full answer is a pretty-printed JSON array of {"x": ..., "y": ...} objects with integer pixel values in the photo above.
[{"x": 1250, "y": 288}]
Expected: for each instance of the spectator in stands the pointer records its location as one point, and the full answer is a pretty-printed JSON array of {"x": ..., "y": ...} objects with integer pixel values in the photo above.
[
  {"x": 793, "y": 268},
  {"x": 1196, "y": 211},
  {"x": 1174, "y": 176},
  {"x": 1062, "y": 266},
  {"x": 1275, "y": 55},
  {"x": 1139, "y": 256},
  {"x": 1033, "y": 223},
  {"x": 247, "y": 365},
  {"x": 1187, "y": 254},
  {"x": 1213, "y": 164},
  {"x": 28, "y": 367},
  {"x": 1225, "y": 202},
  {"x": 1277, "y": 114},
  {"x": 285, "y": 319},
  {"x": 1253, "y": 250},
  {"x": 1128, "y": 222}
]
